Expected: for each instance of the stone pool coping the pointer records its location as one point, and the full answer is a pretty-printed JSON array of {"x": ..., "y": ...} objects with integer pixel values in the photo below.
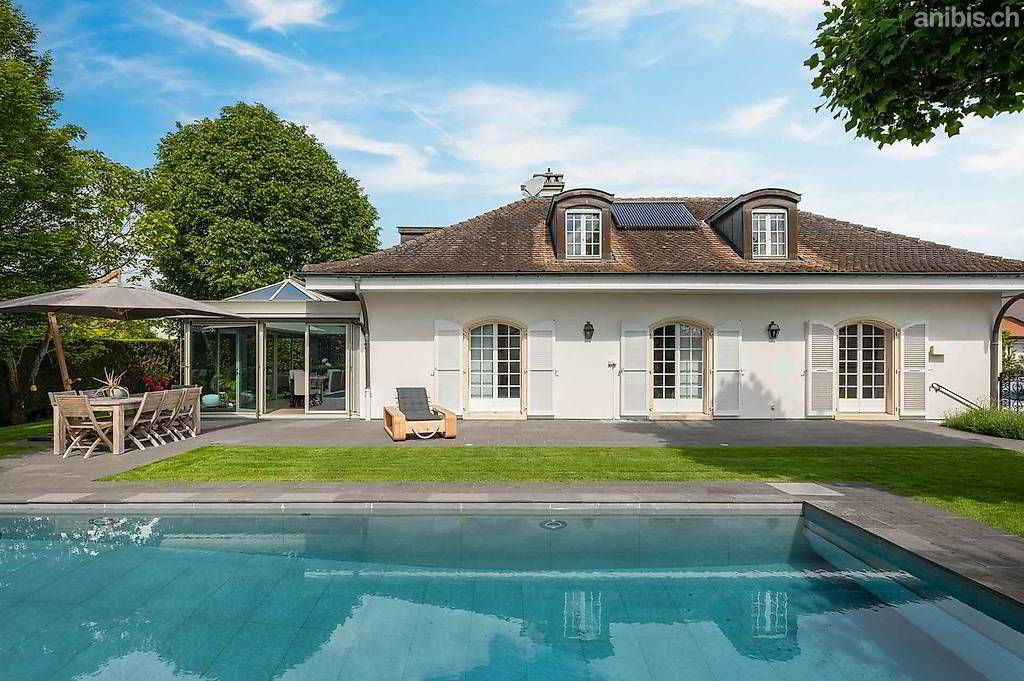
[{"x": 936, "y": 540}]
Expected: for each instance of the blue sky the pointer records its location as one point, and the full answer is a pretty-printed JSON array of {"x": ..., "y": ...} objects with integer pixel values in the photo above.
[{"x": 443, "y": 109}]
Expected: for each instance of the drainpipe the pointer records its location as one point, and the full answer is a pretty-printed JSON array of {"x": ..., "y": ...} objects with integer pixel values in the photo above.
[{"x": 364, "y": 326}]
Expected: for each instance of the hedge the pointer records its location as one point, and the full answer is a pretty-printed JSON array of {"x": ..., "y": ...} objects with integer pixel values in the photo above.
[{"x": 87, "y": 359}]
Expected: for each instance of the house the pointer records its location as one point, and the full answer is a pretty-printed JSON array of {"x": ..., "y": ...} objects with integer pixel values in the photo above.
[
  {"x": 581, "y": 304},
  {"x": 1015, "y": 327}
]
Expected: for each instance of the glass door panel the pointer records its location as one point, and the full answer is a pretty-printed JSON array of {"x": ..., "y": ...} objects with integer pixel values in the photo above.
[
  {"x": 678, "y": 369},
  {"x": 863, "y": 350},
  {"x": 285, "y": 366},
  {"x": 327, "y": 368},
  {"x": 224, "y": 364},
  {"x": 495, "y": 375}
]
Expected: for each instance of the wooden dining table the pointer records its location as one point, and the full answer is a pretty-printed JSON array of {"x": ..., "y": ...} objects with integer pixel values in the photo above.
[{"x": 118, "y": 407}]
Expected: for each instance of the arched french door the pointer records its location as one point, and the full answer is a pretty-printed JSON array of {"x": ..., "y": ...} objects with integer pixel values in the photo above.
[
  {"x": 495, "y": 368},
  {"x": 865, "y": 355},
  {"x": 679, "y": 368}
]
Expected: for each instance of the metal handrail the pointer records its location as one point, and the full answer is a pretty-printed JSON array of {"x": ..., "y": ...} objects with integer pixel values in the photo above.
[{"x": 939, "y": 388}]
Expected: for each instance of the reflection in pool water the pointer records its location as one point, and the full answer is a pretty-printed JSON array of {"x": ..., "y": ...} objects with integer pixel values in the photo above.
[{"x": 420, "y": 597}]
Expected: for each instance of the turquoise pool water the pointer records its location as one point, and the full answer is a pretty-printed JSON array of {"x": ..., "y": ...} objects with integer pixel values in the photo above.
[{"x": 715, "y": 597}]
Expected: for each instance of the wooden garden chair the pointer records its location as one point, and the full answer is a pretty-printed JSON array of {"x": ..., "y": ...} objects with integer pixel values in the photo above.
[
  {"x": 143, "y": 424},
  {"x": 414, "y": 414},
  {"x": 170, "y": 409},
  {"x": 79, "y": 421},
  {"x": 185, "y": 423}
]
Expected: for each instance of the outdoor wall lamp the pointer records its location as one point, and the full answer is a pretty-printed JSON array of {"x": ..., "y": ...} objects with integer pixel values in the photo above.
[
  {"x": 588, "y": 332},
  {"x": 773, "y": 330}
]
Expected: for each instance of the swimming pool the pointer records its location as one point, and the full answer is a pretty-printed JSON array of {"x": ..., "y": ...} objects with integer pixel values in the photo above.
[{"x": 716, "y": 596}]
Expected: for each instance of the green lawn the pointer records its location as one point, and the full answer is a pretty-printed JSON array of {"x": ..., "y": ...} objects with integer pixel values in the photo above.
[
  {"x": 12, "y": 438},
  {"x": 981, "y": 483}
]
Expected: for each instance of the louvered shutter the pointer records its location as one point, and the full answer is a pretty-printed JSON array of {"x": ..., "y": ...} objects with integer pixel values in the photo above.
[
  {"x": 633, "y": 368},
  {"x": 447, "y": 365},
  {"x": 728, "y": 371},
  {"x": 821, "y": 369},
  {"x": 540, "y": 393},
  {"x": 913, "y": 370}
]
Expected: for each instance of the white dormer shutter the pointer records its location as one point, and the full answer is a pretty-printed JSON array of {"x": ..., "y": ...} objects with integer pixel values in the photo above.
[
  {"x": 447, "y": 365},
  {"x": 913, "y": 370},
  {"x": 821, "y": 369},
  {"x": 728, "y": 370},
  {"x": 540, "y": 391},
  {"x": 633, "y": 368}
]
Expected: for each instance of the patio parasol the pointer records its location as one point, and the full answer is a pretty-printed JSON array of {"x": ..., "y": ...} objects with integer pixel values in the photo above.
[
  {"x": 112, "y": 300},
  {"x": 107, "y": 298}
]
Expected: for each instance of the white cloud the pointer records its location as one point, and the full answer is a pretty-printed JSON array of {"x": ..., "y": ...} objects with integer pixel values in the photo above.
[
  {"x": 502, "y": 135},
  {"x": 1001, "y": 151},
  {"x": 905, "y": 151},
  {"x": 405, "y": 166},
  {"x": 809, "y": 133},
  {"x": 278, "y": 15},
  {"x": 749, "y": 118},
  {"x": 611, "y": 18},
  {"x": 485, "y": 138},
  {"x": 199, "y": 34}
]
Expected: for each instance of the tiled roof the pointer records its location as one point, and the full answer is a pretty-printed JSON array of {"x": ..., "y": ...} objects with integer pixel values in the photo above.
[
  {"x": 515, "y": 239},
  {"x": 1013, "y": 325}
]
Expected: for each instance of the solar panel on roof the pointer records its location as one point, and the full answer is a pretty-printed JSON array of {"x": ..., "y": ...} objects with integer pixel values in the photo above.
[{"x": 653, "y": 215}]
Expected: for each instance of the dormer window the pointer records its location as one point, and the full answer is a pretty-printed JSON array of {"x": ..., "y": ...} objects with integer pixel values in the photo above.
[
  {"x": 769, "y": 233},
  {"x": 583, "y": 234}
]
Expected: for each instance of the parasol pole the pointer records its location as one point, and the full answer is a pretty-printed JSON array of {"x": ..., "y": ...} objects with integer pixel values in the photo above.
[{"x": 53, "y": 331}]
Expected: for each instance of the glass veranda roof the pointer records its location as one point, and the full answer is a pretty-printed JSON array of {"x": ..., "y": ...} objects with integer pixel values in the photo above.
[{"x": 285, "y": 290}]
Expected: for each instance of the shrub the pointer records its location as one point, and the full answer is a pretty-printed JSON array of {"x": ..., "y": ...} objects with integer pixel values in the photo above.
[{"x": 988, "y": 421}]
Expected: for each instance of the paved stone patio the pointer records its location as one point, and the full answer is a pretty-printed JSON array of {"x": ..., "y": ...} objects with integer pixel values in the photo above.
[{"x": 945, "y": 542}]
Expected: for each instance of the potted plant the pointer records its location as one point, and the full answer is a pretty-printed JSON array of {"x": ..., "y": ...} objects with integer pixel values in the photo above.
[{"x": 110, "y": 385}]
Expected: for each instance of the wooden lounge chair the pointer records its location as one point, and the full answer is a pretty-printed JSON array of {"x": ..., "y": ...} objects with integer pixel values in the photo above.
[{"x": 414, "y": 414}]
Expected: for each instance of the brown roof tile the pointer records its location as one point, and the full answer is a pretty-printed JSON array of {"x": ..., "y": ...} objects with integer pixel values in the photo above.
[{"x": 514, "y": 239}]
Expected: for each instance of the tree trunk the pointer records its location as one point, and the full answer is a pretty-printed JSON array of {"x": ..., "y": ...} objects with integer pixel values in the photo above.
[
  {"x": 44, "y": 348},
  {"x": 16, "y": 408}
]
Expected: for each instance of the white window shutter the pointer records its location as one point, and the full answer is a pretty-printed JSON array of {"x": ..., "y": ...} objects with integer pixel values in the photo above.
[
  {"x": 540, "y": 392},
  {"x": 447, "y": 365},
  {"x": 728, "y": 369},
  {"x": 913, "y": 370},
  {"x": 633, "y": 369},
  {"x": 821, "y": 369}
]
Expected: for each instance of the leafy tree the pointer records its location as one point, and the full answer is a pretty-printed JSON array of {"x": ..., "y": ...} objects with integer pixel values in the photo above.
[
  {"x": 242, "y": 200},
  {"x": 115, "y": 195},
  {"x": 41, "y": 195},
  {"x": 892, "y": 73},
  {"x": 1013, "y": 363}
]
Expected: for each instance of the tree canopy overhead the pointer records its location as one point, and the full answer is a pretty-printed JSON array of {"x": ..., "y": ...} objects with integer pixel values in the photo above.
[
  {"x": 901, "y": 70},
  {"x": 243, "y": 199}
]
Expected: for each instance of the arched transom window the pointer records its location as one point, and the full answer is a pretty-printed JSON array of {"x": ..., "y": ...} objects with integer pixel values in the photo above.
[
  {"x": 678, "y": 368},
  {"x": 495, "y": 371}
]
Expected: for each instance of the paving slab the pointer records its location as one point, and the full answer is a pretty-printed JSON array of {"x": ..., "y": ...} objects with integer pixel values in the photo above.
[{"x": 807, "y": 489}]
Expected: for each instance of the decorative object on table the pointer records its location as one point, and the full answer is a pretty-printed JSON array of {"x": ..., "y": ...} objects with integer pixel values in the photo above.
[
  {"x": 110, "y": 385},
  {"x": 416, "y": 416}
]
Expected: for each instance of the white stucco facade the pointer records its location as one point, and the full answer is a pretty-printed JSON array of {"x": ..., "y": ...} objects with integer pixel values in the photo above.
[
  {"x": 772, "y": 374},
  {"x": 908, "y": 333}
]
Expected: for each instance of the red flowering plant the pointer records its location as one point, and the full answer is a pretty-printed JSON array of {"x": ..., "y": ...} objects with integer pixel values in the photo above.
[{"x": 156, "y": 383}]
